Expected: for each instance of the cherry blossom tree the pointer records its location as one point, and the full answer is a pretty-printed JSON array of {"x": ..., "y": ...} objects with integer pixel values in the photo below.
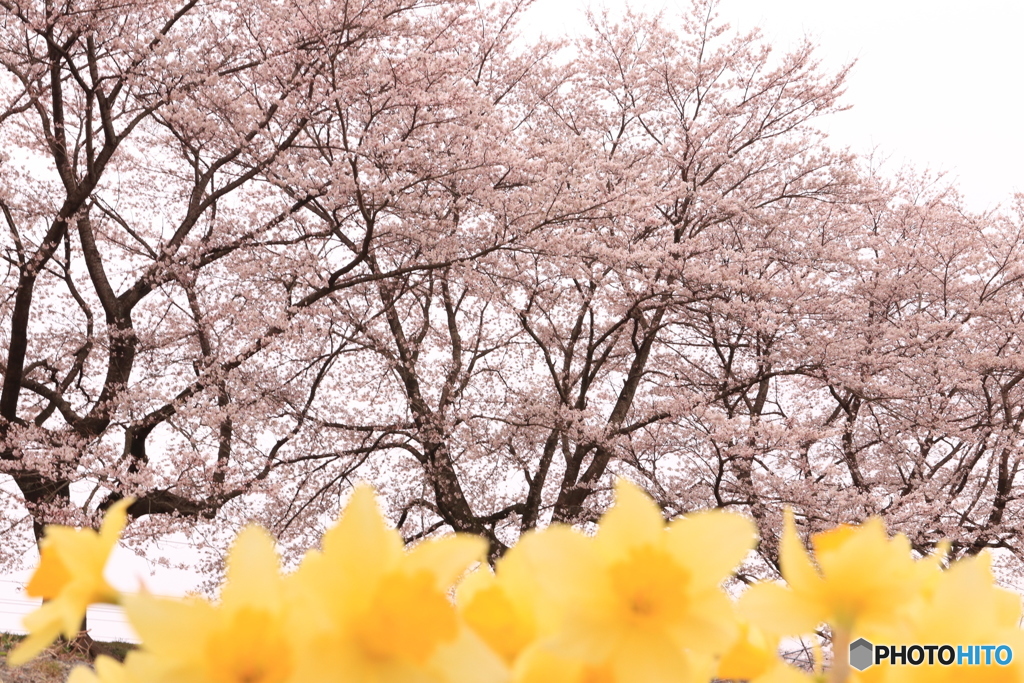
[
  {"x": 187, "y": 187},
  {"x": 923, "y": 379},
  {"x": 547, "y": 361},
  {"x": 255, "y": 252}
]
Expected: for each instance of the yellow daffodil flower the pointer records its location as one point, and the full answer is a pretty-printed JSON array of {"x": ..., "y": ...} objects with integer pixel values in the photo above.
[
  {"x": 639, "y": 601},
  {"x": 107, "y": 670},
  {"x": 489, "y": 604},
  {"x": 69, "y": 578},
  {"x": 242, "y": 639},
  {"x": 541, "y": 665},
  {"x": 754, "y": 657},
  {"x": 862, "y": 579},
  {"x": 964, "y": 608},
  {"x": 750, "y": 655},
  {"x": 370, "y": 611}
]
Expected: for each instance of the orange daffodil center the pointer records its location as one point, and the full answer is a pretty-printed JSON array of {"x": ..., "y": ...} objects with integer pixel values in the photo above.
[
  {"x": 51, "y": 576},
  {"x": 491, "y": 611},
  {"x": 252, "y": 647},
  {"x": 408, "y": 617},
  {"x": 71, "y": 559},
  {"x": 651, "y": 586},
  {"x": 369, "y": 609},
  {"x": 750, "y": 655}
]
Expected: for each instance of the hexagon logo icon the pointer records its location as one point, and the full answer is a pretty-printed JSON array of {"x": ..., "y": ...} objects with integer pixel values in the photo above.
[{"x": 862, "y": 654}]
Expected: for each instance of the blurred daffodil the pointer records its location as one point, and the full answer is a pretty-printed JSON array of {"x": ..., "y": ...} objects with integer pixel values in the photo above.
[
  {"x": 641, "y": 600},
  {"x": 863, "y": 578},
  {"x": 963, "y": 608},
  {"x": 69, "y": 578},
  {"x": 369, "y": 610},
  {"x": 496, "y": 608},
  {"x": 105, "y": 670},
  {"x": 751, "y": 654},
  {"x": 859, "y": 580},
  {"x": 638, "y": 601},
  {"x": 241, "y": 639}
]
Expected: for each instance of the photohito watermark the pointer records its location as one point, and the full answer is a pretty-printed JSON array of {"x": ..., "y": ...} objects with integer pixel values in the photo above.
[{"x": 864, "y": 654}]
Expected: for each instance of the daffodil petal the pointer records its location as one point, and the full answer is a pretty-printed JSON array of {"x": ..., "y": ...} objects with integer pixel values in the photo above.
[
  {"x": 468, "y": 660},
  {"x": 169, "y": 626},
  {"x": 710, "y": 544},
  {"x": 491, "y": 610},
  {"x": 106, "y": 670},
  {"x": 65, "y": 612},
  {"x": 361, "y": 544},
  {"x": 397, "y": 672},
  {"x": 38, "y": 639},
  {"x": 114, "y": 521},
  {"x": 834, "y": 539},
  {"x": 82, "y": 674},
  {"x": 447, "y": 557},
  {"x": 776, "y": 610},
  {"x": 750, "y": 655},
  {"x": 1007, "y": 609},
  {"x": 110, "y": 670},
  {"x": 553, "y": 559},
  {"x": 539, "y": 664},
  {"x": 253, "y": 573},
  {"x": 652, "y": 660},
  {"x": 633, "y": 521},
  {"x": 480, "y": 579},
  {"x": 710, "y": 624},
  {"x": 869, "y": 543},
  {"x": 796, "y": 565},
  {"x": 80, "y": 550},
  {"x": 50, "y": 576}
]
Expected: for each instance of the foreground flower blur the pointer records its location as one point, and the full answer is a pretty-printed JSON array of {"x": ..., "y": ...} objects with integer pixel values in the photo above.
[
  {"x": 367, "y": 609},
  {"x": 637, "y": 601},
  {"x": 962, "y": 606},
  {"x": 69, "y": 578},
  {"x": 107, "y": 670},
  {"x": 862, "y": 579},
  {"x": 640, "y": 600},
  {"x": 241, "y": 639},
  {"x": 496, "y": 606}
]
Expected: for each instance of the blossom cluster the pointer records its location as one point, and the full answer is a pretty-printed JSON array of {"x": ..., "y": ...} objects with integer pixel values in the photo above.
[{"x": 640, "y": 600}]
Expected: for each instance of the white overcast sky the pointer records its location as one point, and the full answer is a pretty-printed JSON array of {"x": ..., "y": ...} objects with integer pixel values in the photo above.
[{"x": 937, "y": 83}]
